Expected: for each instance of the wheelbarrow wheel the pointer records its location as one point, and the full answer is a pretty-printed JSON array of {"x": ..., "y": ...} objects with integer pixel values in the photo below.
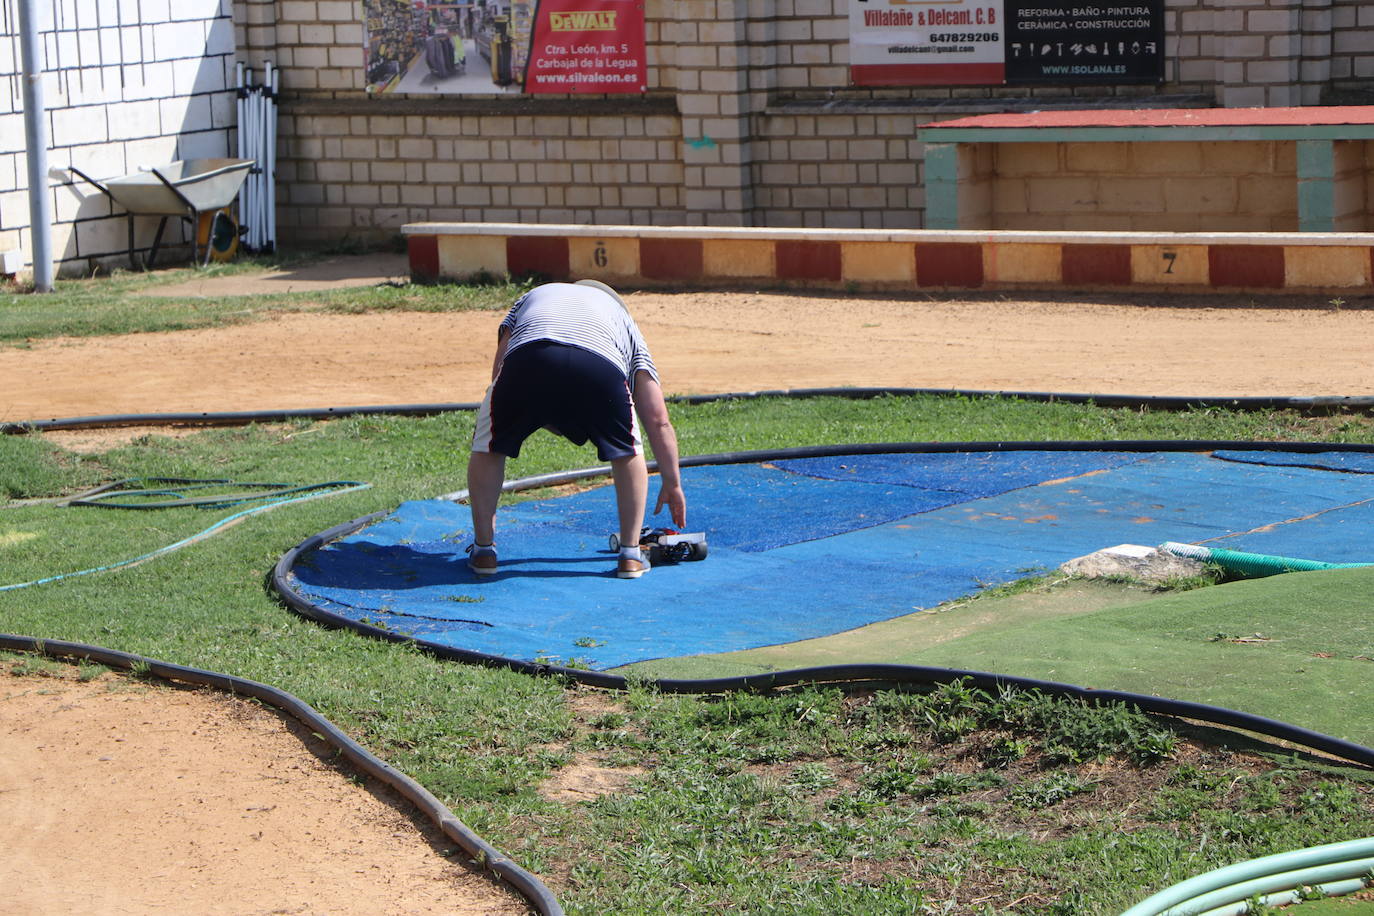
[{"x": 218, "y": 235}]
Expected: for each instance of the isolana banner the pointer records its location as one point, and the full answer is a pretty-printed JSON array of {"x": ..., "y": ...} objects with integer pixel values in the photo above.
[
  {"x": 1004, "y": 42},
  {"x": 482, "y": 47}
]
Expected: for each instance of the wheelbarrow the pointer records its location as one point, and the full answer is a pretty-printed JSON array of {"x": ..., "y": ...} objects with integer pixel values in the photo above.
[{"x": 197, "y": 190}]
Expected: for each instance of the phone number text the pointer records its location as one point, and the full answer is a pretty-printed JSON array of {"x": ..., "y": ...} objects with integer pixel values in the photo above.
[{"x": 963, "y": 36}]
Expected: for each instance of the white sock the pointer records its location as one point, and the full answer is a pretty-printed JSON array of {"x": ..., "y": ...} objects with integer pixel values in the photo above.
[{"x": 633, "y": 553}]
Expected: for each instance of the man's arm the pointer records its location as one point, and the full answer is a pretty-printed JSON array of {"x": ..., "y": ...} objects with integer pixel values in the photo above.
[
  {"x": 502, "y": 338},
  {"x": 653, "y": 413}
]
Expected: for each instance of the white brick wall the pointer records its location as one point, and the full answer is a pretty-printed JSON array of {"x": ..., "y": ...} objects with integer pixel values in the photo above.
[
  {"x": 1352, "y": 43},
  {"x": 776, "y": 160},
  {"x": 127, "y": 84}
]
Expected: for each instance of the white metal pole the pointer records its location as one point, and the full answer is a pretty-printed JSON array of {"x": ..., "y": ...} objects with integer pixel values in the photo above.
[
  {"x": 36, "y": 140},
  {"x": 258, "y": 228},
  {"x": 261, "y": 235},
  {"x": 272, "y": 159},
  {"x": 251, "y": 152},
  {"x": 242, "y": 139},
  {"x": 260, "y": 192}
]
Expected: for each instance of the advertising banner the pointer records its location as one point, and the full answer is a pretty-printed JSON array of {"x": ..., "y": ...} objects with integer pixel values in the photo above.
[
  {"x": 905, "y": 43},
  {"x": 458, "y": 47},
  {"x": 587, "y": 46},
  {"x": 1004, "y": 42},
  {"x": 1116, "y": 43}
]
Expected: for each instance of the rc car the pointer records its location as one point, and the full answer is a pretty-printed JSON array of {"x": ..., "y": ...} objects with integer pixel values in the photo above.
[{"x": 668, "y": 545}]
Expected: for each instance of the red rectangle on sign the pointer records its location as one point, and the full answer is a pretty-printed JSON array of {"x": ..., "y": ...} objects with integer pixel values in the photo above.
[
  {"x": 972, "y": 74},
  {"x": 587, "y": 46}
]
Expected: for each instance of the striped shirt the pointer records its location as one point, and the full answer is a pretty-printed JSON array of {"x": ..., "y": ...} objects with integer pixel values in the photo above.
[{"x": 579, "y": 316}]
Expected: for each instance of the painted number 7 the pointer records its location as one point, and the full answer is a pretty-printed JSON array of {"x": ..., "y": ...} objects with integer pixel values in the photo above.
[{"x": 1170, "y": 256}]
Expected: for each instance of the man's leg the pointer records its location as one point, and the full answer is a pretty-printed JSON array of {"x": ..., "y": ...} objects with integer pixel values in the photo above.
[
  {"x": 631, "y": 476},
  {"x": 486, "y": 474}
]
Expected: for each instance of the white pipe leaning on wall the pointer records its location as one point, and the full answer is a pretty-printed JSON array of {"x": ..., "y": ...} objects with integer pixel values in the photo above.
[
  {"x": 245, "y": 130},
  {"x": 271, "y": 183},
  {"x": 238, "y": 115},
  {"x": 257, "y": 140},
  {"x": 256, "y": 119},
  {"x": 36, "y": 140}
]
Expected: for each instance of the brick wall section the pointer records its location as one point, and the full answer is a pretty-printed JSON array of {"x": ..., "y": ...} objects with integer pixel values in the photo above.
[
  {"x": 712, "y": 78},
  {"x": 1351, "y": 191},
  {"x": 756, "y": 126},
  {"x": 846, "y": 170},
  {"x": 1162, "y": 187},
  {"x": 1369, "y": 183},
  {"x": 1285, "y": 52},
  {"x": 320, "y": 42},
  {"x": 977, "y": 175},
  {"x": 159, "y": 94},
  {"x": 255, "y": 31},
  {"x": 366, "y": 175},
  {"x": 1352, "y": 44}
]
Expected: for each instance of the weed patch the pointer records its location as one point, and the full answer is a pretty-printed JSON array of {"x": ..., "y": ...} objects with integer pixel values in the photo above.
[{"x": 821, "y": 798}]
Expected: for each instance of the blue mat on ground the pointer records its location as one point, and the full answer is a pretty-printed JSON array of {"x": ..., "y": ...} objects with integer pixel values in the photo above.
[
  {"x": 1354, "y": 462},
  {"x": 802, "y": 548}
]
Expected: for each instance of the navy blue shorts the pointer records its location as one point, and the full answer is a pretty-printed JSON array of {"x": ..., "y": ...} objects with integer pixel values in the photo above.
[{"x": 573, "y": 392}]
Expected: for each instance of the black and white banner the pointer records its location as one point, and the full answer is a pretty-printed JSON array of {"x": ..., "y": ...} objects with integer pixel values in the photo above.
[{"x": 1004, "y": 42}]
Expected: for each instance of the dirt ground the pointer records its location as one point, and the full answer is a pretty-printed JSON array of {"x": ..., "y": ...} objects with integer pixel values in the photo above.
[
  {"x": 716, "y": 342},
  {"x": 116, "y": 797},
  {"x": 162, "y": 801}
]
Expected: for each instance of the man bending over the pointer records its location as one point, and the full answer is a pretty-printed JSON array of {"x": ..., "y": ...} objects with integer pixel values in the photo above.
[{"x": 570, "y": 359}]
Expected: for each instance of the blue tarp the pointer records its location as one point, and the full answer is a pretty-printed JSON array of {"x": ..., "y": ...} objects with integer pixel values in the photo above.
[
  {"x": 1354, "y": 462},
  {"x": 803, "y": 548}
]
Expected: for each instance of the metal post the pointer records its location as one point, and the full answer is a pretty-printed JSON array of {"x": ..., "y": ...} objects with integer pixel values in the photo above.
[
  {"x": 36, "y": 138},
  {"x": 270, "y": 153}
]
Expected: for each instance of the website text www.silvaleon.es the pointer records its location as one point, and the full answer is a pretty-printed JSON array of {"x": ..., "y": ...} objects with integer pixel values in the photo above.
[{"x": 577, "y": 77}]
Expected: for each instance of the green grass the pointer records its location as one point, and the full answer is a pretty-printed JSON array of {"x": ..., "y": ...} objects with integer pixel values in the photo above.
[
  {"x": 809, "y": 801},
  {"x": 118, "y": 304},
  {"x": 1339, "y": 906},
  {"x": 1316, "y": 638}
]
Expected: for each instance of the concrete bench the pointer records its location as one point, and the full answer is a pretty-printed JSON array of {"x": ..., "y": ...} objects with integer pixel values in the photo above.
[{"x": 1307, "y": 169}]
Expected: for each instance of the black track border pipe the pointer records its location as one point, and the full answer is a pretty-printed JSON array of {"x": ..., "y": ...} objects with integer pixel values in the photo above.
[
  {"x": 836, "y": 674},
  {"x": 1317, "y": 404},
  {"x": 228, "y": 418},
  {"x": 486, "y": 856}
]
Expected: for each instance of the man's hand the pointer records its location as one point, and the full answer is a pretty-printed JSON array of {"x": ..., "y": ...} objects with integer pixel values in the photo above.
[{"x": 676, "y": 501}]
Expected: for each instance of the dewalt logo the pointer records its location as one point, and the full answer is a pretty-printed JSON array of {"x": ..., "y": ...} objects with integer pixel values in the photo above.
[{"x": 592, "y": 21}]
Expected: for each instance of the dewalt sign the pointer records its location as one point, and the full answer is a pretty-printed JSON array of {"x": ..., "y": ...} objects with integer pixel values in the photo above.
[
  {"x": 594, "y": 46},
  {"x": 592, "y": 21}
]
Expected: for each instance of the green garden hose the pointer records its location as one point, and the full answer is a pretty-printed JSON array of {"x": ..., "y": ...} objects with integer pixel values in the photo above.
[
  {"x": 268, "y": 496},
  {"x": 1333, "y": 869},
  {"x": 1251, "y": 565}
]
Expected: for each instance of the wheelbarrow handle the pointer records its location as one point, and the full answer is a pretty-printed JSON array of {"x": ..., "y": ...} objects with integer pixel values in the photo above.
[
  {"x": 173, "y": 188},
  {"x": 100, "y": 187}
]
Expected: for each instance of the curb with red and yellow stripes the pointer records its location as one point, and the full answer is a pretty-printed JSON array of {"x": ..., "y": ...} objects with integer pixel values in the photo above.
[{"x": 898, "y": 260}]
